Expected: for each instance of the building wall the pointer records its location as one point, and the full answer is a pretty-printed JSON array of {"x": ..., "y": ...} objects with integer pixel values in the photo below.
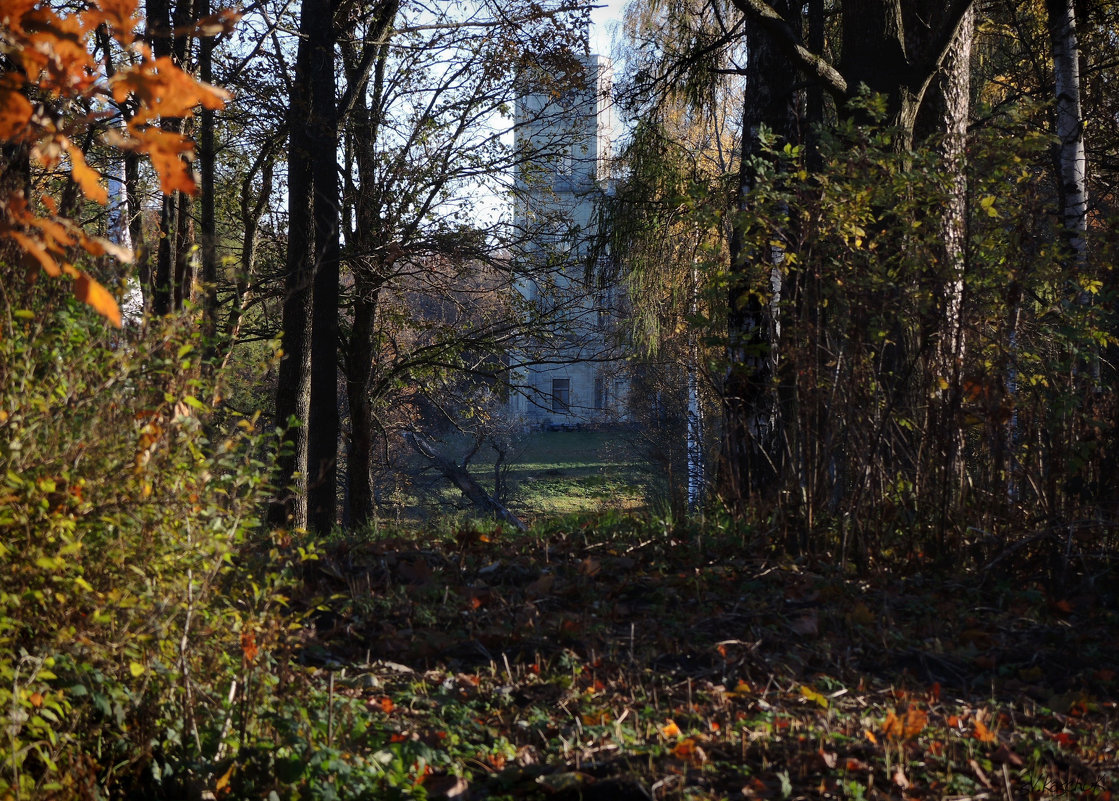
[{"x": 567, "y": 372}]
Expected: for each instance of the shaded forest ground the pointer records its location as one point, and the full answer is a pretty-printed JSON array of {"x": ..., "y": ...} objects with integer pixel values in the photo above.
[{"x": 617, "y": 659}]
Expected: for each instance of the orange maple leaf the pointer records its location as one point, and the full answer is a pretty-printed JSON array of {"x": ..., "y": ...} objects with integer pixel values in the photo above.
[
  {"x": 166, "y": 150},
  {"x": 915, "y": 721},
  {"x": 164, "y": 90},
  {"x": 248, "y": 645},
  {"x": 892, "y": 727}
]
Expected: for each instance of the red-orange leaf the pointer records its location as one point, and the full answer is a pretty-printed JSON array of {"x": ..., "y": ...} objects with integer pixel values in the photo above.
[
  {"x": 55, "y": 233},
  {"x": 164, "y": 90},
  {"x": 14, "y": 12},
  {"x": 89, "y": 291},
  {"x": 248, "y": 645},
  {"x": 891, "y": 727},
  {"x": 56, "y": 52},
  {"x": 685, "y": 748},
  {"x": 98, "y": 246}
]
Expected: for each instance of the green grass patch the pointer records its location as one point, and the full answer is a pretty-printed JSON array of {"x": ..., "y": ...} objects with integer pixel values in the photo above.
[{"x": 556, "y": 473}]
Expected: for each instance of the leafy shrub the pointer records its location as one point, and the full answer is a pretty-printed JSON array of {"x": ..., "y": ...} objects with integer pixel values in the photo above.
[{"x": 135, "y": 596}]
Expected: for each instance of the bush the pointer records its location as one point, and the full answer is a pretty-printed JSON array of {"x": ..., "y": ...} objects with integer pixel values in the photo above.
[{"x": 136, "y": 594}]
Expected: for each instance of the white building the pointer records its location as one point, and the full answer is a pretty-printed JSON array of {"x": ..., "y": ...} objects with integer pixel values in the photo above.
[{"x": 567, "y": 373}]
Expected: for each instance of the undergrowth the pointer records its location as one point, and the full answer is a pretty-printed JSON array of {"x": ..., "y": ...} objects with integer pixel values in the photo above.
[{"x": 156, "y": 641}]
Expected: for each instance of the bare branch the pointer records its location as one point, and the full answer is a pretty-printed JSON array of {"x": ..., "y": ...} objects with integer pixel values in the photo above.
[{"x": 786, "y": 38}]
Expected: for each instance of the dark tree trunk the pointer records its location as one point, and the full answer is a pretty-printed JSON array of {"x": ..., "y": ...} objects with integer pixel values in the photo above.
[
  {"x": 360, "y": 498},
  {"x": 369, "y": 274},
  {"x": 184, "y": 258},
  {"x": 322, "y": 422},
  {"x": 207, "y": 153},
  {"x": 748, "y": 455},
  {"x": 294, "y": 381},
  {"x": 171, "y": 257}
]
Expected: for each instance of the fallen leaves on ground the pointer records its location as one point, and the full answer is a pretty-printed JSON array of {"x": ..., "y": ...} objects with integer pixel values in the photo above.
[{"x": 615, "y": 666}]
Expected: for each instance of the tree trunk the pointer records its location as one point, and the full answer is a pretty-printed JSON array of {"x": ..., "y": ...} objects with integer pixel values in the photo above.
[
  {"x": 369, "y": 272},
  {"x": 747, "y": 458},
  {"x": 294, "y": 381},
  {"x": 945, "y": 112},
  {"x": 323, "y": 422},
  {"x": 464, "y": 482},
  {"x": 207, "y": 153},
  {"x": 172, "y": 256},
  {"x": 183, "y": 250},
  {"x": 1072, "y": 159}
]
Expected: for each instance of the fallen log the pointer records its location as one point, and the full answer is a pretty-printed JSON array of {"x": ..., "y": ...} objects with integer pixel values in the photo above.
[{"x": 462, "y": 480}]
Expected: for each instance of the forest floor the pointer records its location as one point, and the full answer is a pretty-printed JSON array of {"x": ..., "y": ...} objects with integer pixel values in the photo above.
[{"x": 612, "y": 660}]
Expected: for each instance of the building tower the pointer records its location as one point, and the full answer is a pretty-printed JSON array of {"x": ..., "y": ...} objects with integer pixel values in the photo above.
[{"x": 567, "y": 373}]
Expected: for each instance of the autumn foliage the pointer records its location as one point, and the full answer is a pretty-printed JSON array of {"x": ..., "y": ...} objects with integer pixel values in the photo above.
[{"x": 53, "y": 95}]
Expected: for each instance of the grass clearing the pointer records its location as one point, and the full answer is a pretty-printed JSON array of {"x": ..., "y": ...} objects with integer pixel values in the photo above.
[{"x": 557, "y": 473}]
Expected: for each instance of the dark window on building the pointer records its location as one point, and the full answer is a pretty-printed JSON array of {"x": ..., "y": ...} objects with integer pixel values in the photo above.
[
  {"x": 600, "y": 399},
  {"x": 561, "y": 394}
]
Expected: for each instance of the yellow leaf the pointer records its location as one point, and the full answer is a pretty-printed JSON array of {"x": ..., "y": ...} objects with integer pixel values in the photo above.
[
  {"x": 136, "y": 669},
  {"x": 815, "y": 697}
]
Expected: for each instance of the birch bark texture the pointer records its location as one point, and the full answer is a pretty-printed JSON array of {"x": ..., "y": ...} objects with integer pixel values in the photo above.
[{"x": 1071, "y": 157}]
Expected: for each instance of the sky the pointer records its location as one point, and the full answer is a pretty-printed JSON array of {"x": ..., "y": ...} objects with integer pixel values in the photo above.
[{"x": 605, "y": 18}]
